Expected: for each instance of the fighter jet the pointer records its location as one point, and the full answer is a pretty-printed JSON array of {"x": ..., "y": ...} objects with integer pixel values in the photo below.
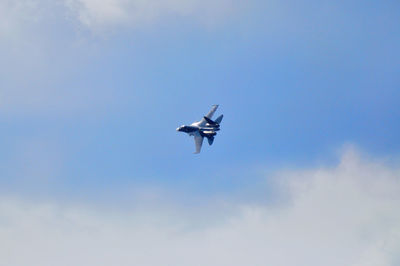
[{"x": 203, "y": 128}]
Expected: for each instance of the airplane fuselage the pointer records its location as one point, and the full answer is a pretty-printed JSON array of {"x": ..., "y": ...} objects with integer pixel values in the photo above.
[{"x": 203, "y": 128}]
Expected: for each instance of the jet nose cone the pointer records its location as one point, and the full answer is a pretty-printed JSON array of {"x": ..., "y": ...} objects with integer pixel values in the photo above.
[{"x": 178, "y": 128}]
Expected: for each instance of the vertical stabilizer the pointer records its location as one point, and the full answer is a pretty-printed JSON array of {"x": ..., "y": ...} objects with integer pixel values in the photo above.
[{"x": 219, "y": 119}]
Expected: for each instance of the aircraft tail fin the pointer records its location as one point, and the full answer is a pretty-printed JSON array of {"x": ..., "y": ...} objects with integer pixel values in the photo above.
[
  {"x": 216, "y": 122},
  {"x": 219, "y": 119},
  {"x": 209, "y": 121}
]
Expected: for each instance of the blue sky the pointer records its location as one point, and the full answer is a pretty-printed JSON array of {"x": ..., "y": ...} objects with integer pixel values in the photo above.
[
  {"x": 295, "y": 83},
  {"x": 92, "y": 91}
]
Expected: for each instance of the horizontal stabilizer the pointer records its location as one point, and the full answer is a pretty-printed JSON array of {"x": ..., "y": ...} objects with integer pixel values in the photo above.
[
  {"x": 219, "y": 119},
  {"x": 210, "y": 140}
]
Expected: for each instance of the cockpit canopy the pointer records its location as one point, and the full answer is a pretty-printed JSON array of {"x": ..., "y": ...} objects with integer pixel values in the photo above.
[{"x": 180, "y": 128}]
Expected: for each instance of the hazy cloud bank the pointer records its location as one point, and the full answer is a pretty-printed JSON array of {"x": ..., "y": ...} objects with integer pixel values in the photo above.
[{"x": 344, "y": 215}]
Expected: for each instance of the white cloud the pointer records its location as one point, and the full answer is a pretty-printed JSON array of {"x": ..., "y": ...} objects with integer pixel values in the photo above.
[
  {"x": 24, "y": 19},
  {"x": 39, "y": 42},
  {"x": 15, "y": 13},
  {"x": 345, "y": 215},
  {"x": 100, "y": 14}
]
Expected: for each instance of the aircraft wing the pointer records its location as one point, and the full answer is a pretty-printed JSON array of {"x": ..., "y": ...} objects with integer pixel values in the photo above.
[
  {"x": 212, "y": 111},
  {"x": 209, "y": 115},
  {"x": 198, "y": 140}
]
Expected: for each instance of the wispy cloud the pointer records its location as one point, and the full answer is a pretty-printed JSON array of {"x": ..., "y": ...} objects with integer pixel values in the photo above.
[
  {"x": 344, "y": 215},
  {"x": 43, "y": 49},
  {"x": 16, "y": 13},
  {"x": 97, "y": 15}
]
